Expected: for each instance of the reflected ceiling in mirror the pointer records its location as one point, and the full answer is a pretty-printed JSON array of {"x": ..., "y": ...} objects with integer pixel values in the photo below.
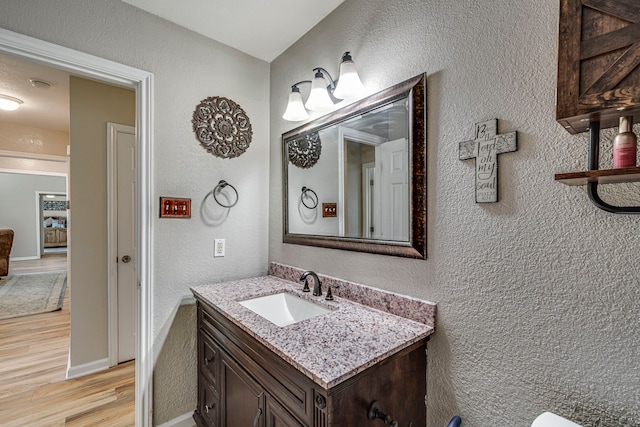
[{"x": 362, "y": 170}]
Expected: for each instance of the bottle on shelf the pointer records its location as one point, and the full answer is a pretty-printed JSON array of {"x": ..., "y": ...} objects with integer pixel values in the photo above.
[{"x": 625, "y": 144}]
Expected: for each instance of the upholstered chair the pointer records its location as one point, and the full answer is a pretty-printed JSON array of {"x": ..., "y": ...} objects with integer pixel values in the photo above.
[{"x": 6, "y": 241}]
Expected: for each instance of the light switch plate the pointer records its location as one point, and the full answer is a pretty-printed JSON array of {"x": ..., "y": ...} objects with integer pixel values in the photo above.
[{"x": 174, "y": 207}]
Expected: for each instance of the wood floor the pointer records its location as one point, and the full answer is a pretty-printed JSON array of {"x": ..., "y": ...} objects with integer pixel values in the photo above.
[{"x": 33, "y": 363}]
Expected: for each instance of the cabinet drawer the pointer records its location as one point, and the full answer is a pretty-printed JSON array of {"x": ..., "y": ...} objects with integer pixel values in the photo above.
[
  {"x": 209, "y": 355},
  {"x": 209, "y": 403}
]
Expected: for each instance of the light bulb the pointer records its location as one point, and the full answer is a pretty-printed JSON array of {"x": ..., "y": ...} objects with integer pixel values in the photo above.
[
  {"x": 319, "y": 99},
  {"x": 295, "y": 111},
  {"x": 9, "y": 103},
  {"x": 349, "y": 84}
]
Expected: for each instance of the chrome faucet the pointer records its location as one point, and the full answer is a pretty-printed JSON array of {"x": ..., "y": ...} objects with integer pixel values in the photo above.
[{"x": 317, "y": 287}]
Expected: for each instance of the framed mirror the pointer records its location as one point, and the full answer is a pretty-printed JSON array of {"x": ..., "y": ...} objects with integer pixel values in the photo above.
[{"x": 355, "y": 179}]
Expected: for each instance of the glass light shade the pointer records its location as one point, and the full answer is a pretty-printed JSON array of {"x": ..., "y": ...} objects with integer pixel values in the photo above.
[
  {"x": 319, "y": 99},
  {"x": 9, "y": 103},
  {"x": 349, "y": 84},
  {"x": 295, "y": 108}
]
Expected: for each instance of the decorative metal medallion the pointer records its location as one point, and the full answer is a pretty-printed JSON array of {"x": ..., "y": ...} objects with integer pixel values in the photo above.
[
  {"x": 304, "y": 152},
  {"x": 222, "y": 127}
]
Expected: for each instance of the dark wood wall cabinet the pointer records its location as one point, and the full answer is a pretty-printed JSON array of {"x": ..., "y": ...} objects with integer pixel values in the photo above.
[
  {"x": 241, "y": 383},
  {"x": 598, "y": 58},
  {"x": 598, "y": 81}
]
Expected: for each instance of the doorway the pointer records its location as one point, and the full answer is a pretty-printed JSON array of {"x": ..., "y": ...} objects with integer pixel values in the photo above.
[
  {"x": 103, "y": 70},
  {"x": 53, "y": 222}
]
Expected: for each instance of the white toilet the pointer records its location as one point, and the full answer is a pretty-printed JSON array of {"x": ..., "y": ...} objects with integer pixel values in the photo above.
[{"x": 548, "y": 419}]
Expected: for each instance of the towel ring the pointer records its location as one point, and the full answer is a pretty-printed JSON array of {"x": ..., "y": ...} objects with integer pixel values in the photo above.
[
  {"x": 304, "y": 193},
  {"x": 222, "y": 184}
]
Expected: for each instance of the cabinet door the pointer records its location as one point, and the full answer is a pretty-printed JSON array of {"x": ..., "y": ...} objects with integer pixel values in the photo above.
[
  {"x": 62, "y": 235},
  {"x": 598, "y": 73},
  {"x": 242, "y": 398},
  {"x": 277, "y": 416}
]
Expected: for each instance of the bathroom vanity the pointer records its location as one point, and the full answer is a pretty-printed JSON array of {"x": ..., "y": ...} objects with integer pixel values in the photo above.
[{"x": 322, "y": 371}]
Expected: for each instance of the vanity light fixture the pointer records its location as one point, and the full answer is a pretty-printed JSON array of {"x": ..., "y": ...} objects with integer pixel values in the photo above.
[
  {"x": 349, "y": 84},
  {"x": 322, "y": 96},
  {"x": 9, "y": 103},
  {"x": 319, "y": 99},
  {"x": 295, "y": 108}
]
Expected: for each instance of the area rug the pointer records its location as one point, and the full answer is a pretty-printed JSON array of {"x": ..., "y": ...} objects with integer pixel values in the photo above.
[{"x": 33, "y": 293}]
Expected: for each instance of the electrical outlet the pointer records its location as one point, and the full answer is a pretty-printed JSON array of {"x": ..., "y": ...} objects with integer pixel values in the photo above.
[{"x": 218, "y": 248}]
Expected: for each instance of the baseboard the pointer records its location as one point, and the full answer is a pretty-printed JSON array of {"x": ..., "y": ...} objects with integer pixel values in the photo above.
[
  {"x": 24, "y": 258},
  {"x": 185, "y": 420},
  {"x": 87, "y": 368}
]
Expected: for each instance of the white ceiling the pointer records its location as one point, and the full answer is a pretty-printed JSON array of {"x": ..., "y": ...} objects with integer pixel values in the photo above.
[
  {"x": 42, "y": 108},
  {"x": 261, "y": 28}
]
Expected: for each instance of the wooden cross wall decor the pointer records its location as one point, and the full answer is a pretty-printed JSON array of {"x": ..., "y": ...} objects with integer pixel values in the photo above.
[{"x": 485, "y": 149}]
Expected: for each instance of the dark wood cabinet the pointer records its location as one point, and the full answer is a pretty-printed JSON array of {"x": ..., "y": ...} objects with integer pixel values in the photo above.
[
  {"x": 598, "y": 82},
  {"x": 243, "y": 383},
  {"x": 208, "y": 403},
  {"x": 277, "y": 416},
  {"x": 598, "y": 63},
  {"x": 242, "y": 398}
]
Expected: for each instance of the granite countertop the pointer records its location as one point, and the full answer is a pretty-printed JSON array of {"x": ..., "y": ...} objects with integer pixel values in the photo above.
[{"x": 329, "y": 348}]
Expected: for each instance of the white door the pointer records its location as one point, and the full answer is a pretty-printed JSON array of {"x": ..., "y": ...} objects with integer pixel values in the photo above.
[
  {"x": 122, "y": 220},
  {"x": 392, "y": 164}
]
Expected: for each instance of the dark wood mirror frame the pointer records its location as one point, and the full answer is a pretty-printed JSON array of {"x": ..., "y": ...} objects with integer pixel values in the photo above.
[{"x": 416, "y": 91}]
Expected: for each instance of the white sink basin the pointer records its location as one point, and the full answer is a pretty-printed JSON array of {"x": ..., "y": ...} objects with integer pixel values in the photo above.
[{"x": 284, "y": 308}]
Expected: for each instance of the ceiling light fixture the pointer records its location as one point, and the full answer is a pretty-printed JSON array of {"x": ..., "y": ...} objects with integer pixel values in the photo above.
[
  {"x": 9, "y": 103},
  {"x": 322, "y": 96}
]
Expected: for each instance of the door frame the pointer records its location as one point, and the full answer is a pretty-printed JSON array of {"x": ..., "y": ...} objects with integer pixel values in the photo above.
[
  {"x": 40, "y": 216},
  {"x": 348, "y": 134},
  {"x": 93, "y": 67},
  {"x": 112, "y": 237}
]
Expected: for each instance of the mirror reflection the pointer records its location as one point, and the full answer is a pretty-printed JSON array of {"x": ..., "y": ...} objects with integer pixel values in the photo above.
[
  {"x": 361, "y": 166},
  {"x": 356, "y": 178}
]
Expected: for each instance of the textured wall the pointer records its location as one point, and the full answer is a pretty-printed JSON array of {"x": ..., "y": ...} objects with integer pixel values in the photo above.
[
  {"x": 92, "y": 104},
  {"x": 538, "y": 294},
  {"x": 187, "y": 68},
  {"x": 33, "y": 140},
  {"x": 172, "y": 368}
]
